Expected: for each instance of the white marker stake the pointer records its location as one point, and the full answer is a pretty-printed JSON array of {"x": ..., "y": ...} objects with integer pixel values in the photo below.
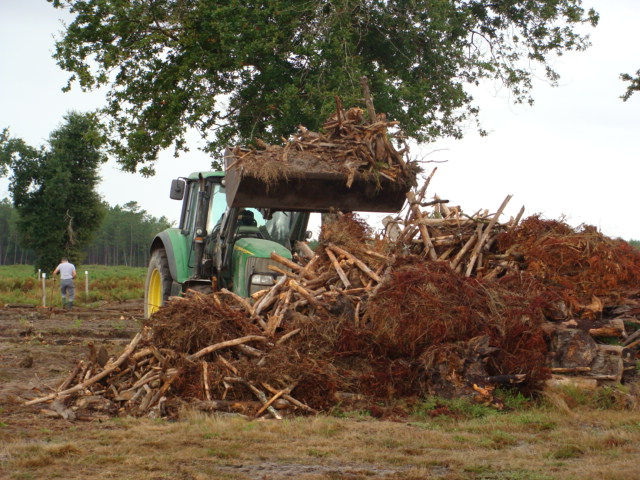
[{"x": 44, "y": 289}]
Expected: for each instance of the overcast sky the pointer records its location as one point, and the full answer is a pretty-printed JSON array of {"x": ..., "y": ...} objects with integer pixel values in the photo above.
[{"x": 574, "y": 154}]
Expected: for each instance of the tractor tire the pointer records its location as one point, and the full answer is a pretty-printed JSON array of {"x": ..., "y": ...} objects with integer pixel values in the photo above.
[{"x": 158, "y": 284}]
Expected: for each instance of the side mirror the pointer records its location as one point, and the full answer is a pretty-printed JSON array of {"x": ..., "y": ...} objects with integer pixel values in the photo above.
[
  {"x": 308, "y": 234},
  {"x": 177, "y": 189}
]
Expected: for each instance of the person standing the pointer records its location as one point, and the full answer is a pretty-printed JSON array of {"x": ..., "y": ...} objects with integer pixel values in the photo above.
[{"x": 67, "y": 273}]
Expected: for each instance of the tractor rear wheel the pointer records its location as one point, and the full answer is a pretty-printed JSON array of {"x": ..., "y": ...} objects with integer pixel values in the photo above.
[{"x": 158, "y": 284}]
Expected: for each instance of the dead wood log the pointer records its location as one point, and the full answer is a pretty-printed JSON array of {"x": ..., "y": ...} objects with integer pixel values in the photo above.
[
  {"x": 277, "y": 317},
  {"x": 463, "y": 251},
  {"x": 367, "y": 99},
  {"x": 160, "y": 393},
  {"x": 516, "y": 221},
  {"x": 583, "y": 383},
  {"x": 631, "y": 338},
  {"x": 570, "y": 370},
  {"x": 306, "y": 295}
]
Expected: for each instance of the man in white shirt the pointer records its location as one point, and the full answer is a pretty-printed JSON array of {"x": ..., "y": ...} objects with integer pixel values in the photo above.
[{"x": 67, "y": 275}]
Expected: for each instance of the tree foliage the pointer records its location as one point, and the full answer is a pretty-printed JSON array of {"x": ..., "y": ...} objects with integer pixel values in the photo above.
[
  {"x": 235, "y": 70},
  {"x": 123, "y": 237},
  {"x": 53, "y": 189},
  {"x": 634, "y": 84}
]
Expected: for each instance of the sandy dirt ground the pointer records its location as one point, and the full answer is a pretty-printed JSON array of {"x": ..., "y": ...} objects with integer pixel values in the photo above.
[{"x": 40, "y": 346}]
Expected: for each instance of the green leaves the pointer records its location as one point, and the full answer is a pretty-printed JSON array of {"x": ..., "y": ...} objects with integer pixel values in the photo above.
[
  {"x": 634, "y": 84},
  {"x": 53, "y": 189},
  {"x": 238, "y": 70}
]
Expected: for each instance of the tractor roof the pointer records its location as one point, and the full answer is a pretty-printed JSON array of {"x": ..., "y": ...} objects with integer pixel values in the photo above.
[{"x": 194, "y": 175}]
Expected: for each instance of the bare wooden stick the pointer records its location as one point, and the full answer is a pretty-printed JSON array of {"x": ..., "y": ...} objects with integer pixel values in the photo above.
[
  {"x": 287, "y": 336},
  {"x": 367, "y": 99},
  {"x": 205, "y": 380},
  {"x": 420, "y": 195},
  {"x": 305, "y": 250},
  {"x": 359, "y": 263},
  {"x": 516, "y": 221},
  {"x": 288, "y": 397},
  {"x": 242, "y": 301},
  {"x": 286, "y": 262},
  {"x": 426, "y": 238},
  {"x": 228, "y": 343},
  {"x": 226, "y": 363},
  {"x": 143, "y": 352},
  {"x": 281, "y": 271},
  {"x": 161, "y": 391},
  {"x": 467, "y": 246},
  {"x": 336, "y": 265},
  {"x": 275, "y": 397},
  {"x": 71, "y": 376},
  {"x": 258, "y": 393},
  {"x": 265, "y": 301},
  {"x": 276, "y": 319},
  {"x": 306, "y": 295}
]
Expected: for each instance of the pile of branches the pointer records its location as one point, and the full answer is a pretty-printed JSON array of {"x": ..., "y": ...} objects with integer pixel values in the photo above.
[
  {"x": 441, "y": 303},
  {"x": 349, "y": 144},
  {"x": 351, "y": 323},
  {"x": 466, "y": 242}
]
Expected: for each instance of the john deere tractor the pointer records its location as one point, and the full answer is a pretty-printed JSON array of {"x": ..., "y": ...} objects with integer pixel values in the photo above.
[{"x": 232, "y": 222}]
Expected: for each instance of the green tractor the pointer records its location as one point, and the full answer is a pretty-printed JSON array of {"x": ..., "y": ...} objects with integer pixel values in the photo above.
[{"x": 231, "y": 223}]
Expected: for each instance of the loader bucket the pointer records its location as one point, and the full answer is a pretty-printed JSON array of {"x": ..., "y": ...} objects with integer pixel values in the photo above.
[{"x": 313, "y": 190}]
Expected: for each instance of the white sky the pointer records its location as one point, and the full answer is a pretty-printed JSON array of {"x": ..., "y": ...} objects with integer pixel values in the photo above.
[{"x": 575, "y": 153}]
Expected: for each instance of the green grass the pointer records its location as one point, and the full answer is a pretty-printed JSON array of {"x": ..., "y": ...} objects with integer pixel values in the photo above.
[{"x": 19, "y": 284}]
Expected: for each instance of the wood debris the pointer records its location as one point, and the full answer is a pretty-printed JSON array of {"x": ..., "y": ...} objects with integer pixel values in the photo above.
[{"x": 445, "y": 304}]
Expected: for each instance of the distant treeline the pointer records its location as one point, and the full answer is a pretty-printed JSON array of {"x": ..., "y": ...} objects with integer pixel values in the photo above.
[{"x": 123, "y": 238}]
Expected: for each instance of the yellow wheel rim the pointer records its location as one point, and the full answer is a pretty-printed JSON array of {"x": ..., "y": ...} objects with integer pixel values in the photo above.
[{"x": 155, "y": 292}]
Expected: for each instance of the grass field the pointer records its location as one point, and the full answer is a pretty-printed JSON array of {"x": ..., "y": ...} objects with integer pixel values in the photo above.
[
  {"x": 537, "y": 443},
  {"x": 20, "y": 284}
]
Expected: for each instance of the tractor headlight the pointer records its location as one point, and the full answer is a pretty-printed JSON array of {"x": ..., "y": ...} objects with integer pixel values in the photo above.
[{"x": 262, "y": 279}]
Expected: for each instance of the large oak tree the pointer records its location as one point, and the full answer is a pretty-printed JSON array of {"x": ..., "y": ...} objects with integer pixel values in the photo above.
[{"x": 235, "y": 70}]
